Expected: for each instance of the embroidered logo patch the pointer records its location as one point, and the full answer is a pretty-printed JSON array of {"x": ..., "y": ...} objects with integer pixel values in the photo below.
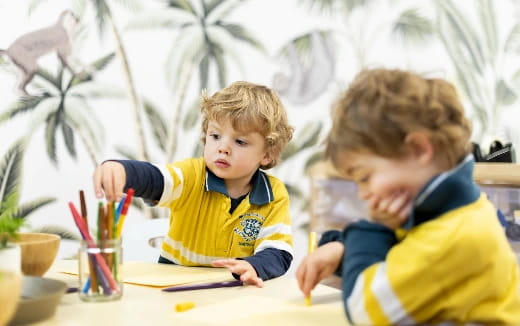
[{"x": 250, "y": 225}]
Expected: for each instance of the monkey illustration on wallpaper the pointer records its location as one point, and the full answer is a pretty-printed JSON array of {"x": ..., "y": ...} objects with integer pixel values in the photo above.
[{"x": 25, "y": 51}]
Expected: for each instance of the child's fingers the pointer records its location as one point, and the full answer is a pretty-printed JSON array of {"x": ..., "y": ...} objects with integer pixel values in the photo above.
[
  {"x": 301, "y": 274},
  {"x": 240, "y": 267},
  {"x": 107, "y": 181},
  {"x": 98, "y": 190},
  {"x": 397, "y": 204},
  {"x": 249, "y": 277},
  {"x": 309, "y": 279},
  {"x": 405, "y": 211},
  {"x": 112, "y": 180},
  {"x": 233, "y": 265},
  {"x": 119, "y": 180},
  {"x": 223, "y": 262}
]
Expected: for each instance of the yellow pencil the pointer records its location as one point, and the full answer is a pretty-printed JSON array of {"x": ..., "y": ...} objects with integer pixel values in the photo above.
[
  {"x": 126, "y": 205},
  {"x": 312, "y": 246}
]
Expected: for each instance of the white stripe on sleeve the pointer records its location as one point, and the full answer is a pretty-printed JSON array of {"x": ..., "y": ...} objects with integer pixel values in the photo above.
[
  {"x": 388, "y": 300},
  {"x": 356, "y": 303},
  {"x": 169, "y": 192},
  {"x": 268, "y": 231},
  {"x": 187, "y": 254},
  {"x": 276, "y": 244}
]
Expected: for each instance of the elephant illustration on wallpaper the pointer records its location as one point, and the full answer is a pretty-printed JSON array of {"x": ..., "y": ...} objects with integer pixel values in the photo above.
[
  {"x": 311, "y": 62},
  {"x": 26, "y": 50}
]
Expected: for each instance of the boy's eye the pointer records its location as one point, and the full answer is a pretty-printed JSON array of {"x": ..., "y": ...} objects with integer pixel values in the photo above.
[
  {"x": 361, "y": 178},
  {"x": 214, "y": 136},
  {"x": 241, "y": 142}
]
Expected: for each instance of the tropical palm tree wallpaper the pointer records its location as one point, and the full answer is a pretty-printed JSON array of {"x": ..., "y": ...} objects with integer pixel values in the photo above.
[{"x": 145, "y": 64}]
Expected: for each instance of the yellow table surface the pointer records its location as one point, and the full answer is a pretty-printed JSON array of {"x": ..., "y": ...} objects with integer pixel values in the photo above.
[{"x": 279, "y": 302}]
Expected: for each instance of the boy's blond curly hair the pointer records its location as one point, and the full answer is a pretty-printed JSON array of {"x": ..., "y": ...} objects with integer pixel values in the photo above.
[
  {"x": 250, "y": 108},
  {"x": 382, "y": 106}
]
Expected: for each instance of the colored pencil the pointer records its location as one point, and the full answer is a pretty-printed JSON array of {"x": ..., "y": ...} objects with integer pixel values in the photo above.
[
  {"x": 105, "y": 271},
  {"x": 202, "y": 286},
  {"x": 121, "y": 221},
  {"x": 312, "y": 246},
  {"x": 92, "y": 283},
  {"x": 119, "y": 208}
]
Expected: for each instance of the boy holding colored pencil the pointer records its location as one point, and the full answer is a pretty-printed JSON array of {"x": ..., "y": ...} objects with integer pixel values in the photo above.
[
  {"x": 224, "y": 210},
  {"x": 434, "y": 251}
]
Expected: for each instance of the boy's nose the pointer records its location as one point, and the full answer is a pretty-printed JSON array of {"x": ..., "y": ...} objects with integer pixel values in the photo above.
[{"x": 223, "y": 149}]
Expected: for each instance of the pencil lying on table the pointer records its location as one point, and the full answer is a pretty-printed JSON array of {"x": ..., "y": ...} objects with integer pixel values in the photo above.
[{"x": 202, "y": 286}]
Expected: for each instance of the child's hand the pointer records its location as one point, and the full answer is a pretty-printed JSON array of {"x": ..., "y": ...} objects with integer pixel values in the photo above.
[
  {"x": 318, "y": 265},
  {"x": 240, "y": 267},
  {"x": 110, "y": 178},
  {"x": 391, "y": 211}
]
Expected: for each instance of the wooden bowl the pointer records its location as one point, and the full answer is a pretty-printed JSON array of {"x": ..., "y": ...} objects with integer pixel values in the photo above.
[{"x": 39, "y": 251}]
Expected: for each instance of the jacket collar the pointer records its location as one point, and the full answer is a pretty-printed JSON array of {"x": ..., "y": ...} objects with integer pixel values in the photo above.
[
  {"x": 445, "y": 192},
  {"x": 261, "y": 190}
]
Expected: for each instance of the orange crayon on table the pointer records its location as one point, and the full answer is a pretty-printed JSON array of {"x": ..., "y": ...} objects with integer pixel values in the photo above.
[{"x": 312, "y": 246}]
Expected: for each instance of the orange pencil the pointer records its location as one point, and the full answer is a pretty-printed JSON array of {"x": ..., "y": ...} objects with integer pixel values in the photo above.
[{"x": 109, "y": 218}]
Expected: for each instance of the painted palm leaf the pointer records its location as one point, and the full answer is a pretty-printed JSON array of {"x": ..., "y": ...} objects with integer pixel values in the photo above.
[
  {"x": 473, "y": 48},
  {"x": 412, "y": 26},
  {"x": 10, "y": 170},
  {"x": 157, "y": 124},
  {"x": 25, "y": 104},
  {"x": 331, "y": 6},
  {"x": 10, "y": 186},
  {"x": 307, "y": 138},
  {"x": 53, "y": 109},
  {"x": 29, "y": 207}
]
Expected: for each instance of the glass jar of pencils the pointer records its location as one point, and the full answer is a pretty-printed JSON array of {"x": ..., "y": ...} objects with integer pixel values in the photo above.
[{"x": 99, "y": 272}]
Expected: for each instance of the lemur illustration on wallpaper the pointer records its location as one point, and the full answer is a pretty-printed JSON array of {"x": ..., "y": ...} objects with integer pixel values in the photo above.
[{"x": 25, "y": 51}]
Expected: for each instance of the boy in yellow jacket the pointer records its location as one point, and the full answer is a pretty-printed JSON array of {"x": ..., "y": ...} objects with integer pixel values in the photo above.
[
  {"x": 224, "y": 210},
  {"x": 433, "y": 250}
]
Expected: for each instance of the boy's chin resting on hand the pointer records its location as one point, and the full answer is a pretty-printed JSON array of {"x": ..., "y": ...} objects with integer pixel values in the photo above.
[{"x": 240, "y": 267}]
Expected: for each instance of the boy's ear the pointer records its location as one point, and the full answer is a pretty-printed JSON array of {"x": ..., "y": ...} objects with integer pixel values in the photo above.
[
  {"x": 420, "y": 146},
  {"x": 266, "y": 160}
]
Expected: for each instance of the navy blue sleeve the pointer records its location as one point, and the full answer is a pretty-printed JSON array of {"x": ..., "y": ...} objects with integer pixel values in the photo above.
[
  {"x": 365, "y": 244},
  {"x": 269, "y": 263},
  {"x": 146, "y": 179},
  {"x": 329, "y": 236}
]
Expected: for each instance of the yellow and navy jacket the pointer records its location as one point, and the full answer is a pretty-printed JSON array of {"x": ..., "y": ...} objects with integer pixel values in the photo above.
[
  {"x": 450, "y": 263},
  {"x": 206, "y": 224}
]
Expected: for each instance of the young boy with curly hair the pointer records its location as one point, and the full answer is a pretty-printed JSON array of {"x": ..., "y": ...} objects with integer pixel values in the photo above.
[
  {"x": 433, "y": 249},
  {"x": 224, "y": 210}
]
